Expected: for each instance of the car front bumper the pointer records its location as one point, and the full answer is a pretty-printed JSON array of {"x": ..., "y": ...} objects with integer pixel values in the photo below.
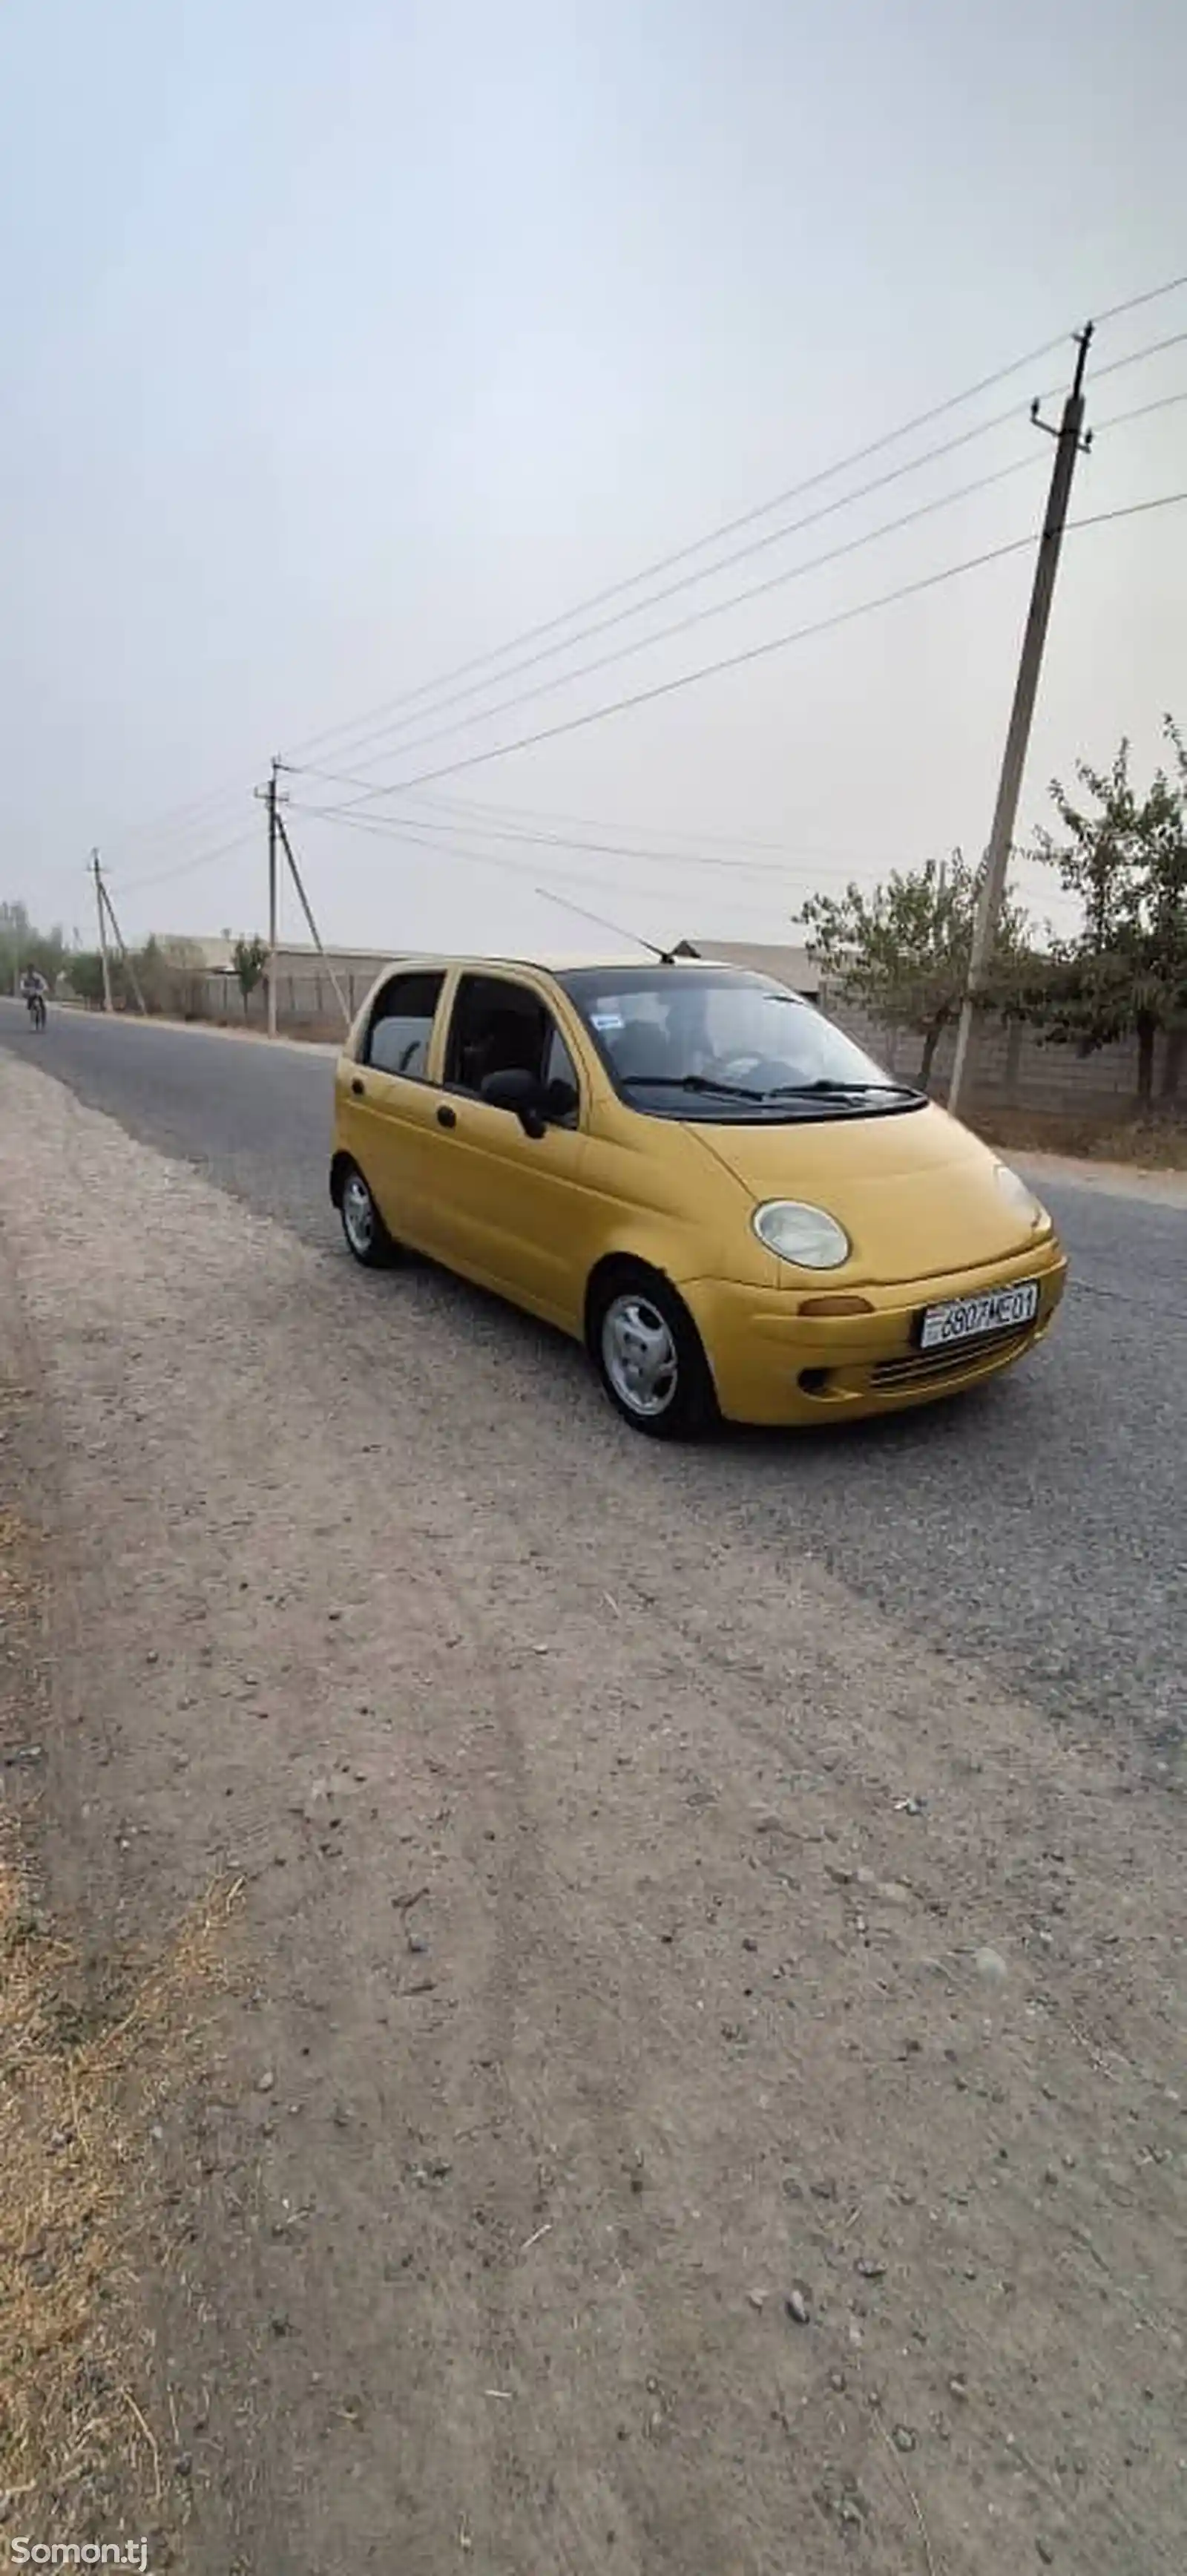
[{"x": 774, "y": 1365}]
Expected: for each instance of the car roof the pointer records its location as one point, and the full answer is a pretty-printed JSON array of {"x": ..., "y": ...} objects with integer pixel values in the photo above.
[{"x": 561, "y": 965}]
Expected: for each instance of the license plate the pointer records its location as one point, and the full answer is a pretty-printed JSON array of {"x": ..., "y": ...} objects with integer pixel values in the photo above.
[{"x": 968, "y": 1319}]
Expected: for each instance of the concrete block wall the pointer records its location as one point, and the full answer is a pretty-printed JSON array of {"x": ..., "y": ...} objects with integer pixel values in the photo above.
[
  {"x": 304, "y": 999},
  {"x": 1014, "y": 1070}
]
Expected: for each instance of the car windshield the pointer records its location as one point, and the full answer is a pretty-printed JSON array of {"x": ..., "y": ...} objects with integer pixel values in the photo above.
[{"x": 704, "y": 1042}]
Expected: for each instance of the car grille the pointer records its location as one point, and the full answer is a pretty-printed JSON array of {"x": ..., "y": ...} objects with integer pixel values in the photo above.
[{"x": 930, "y": 1368}]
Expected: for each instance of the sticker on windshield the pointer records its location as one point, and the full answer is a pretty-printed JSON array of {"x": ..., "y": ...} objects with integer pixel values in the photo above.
[{"x": 606, "y": 1020}]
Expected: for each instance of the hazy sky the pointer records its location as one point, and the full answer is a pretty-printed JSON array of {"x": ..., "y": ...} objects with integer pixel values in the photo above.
[{"x": 343, "y": 344}]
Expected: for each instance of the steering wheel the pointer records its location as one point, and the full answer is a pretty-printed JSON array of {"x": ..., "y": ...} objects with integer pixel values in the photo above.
[{"x": 759, "y": 1072}]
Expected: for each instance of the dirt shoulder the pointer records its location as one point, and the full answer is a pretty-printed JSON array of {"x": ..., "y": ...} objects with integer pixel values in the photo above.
[
  {"x": 1117, "y": 1180},
  {"x": 97, "y": 2040},
  {"x": 703, "y": 2096},
  {"x": 1146, "y": 1149}
]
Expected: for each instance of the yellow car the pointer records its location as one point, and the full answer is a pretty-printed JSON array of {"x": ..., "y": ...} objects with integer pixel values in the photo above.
[{"x": 690, "y": 1170}]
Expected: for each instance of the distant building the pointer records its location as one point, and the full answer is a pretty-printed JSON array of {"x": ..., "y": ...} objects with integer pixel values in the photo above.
[
  {"x": 196, "y": 956},
  {"x": 293, "y": 957},
  {"x": 790, "y": 966}
]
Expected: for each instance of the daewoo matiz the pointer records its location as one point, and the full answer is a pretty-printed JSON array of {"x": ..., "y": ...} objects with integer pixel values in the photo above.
[{"x": 689, "y": 1169}]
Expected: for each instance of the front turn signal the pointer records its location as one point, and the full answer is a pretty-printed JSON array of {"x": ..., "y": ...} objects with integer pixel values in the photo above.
[{"x": 838, "y": 1305}]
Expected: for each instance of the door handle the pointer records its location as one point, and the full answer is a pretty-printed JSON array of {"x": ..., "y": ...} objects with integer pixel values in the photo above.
[
  {"x": 358, "y": 1088},
  {"x": 446, "y": 1117}
]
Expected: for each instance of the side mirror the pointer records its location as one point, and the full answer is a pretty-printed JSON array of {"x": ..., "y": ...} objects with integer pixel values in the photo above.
[{"x": 519, "y": 1091}]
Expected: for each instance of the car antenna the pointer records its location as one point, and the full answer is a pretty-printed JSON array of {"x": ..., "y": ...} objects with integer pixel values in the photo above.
[{"x": 664, "y": 955}]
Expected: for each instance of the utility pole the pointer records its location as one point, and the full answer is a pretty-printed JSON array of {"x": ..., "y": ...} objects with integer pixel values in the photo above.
[
  {"x": 97, "y": 873},
  {"x": 303, "y": 898},
  {"x": 273, "y": 899},
  {"x": 268, "y": 796},
  {"x": 1069, "y": 443},
  {"x": 122, "y": 945}
]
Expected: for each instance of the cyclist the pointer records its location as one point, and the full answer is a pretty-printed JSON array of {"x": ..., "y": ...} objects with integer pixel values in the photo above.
[{"x": 35, "y": 991}]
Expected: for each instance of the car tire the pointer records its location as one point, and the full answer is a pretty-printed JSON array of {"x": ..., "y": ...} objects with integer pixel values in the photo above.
[
  {"x": 649, "y": 1356},
  {"x": 367, "y": 1237}
]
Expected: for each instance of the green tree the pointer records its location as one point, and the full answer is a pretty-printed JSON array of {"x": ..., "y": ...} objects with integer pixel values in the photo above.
[
  {"x": 84, "y": 969},
  {"x": 159, "y": 978},
  {"x": 249, "y": 958},
  {"x": 22, "y": 944},
  {"x": 15, "y": 935},
  {"x": 902, "y": 949},
  {"x": 1123, "y": 858}
]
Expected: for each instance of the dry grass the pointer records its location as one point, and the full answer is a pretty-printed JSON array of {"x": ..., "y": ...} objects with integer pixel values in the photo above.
[
  {"x": 1155, "y": 1144},
  {"x": 86, "y": 2062}
]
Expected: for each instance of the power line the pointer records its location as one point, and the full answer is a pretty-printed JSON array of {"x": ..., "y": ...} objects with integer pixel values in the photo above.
[
  {"x": 486, "y": 858},
  {"x": 452, "y": 832},
  {"x": 747, "y": 518},
  {"x": 689, "y": 580},
  {"x": 1133, "y": 358},
  {"x": 467, "y": 810},
  {"x": 501, "y": 823},
  {"x": 469, "y": 805},
  {"x": 1118, "y": 419},
  {"x": 773, "y": 644},
  {"x": 406, "y": 833},
  {"x": 183, "y": 818},
  {"x": 1152, "y": 295},
  {"x": 681, "y": 554},
  {"x": 666, "y": 688},
  {"x": 713, "y": 608},
  {"x": 204, "y": 859},
  {"x": 370, "y": 789},
  {"x": 223, "y": 797},
  {"x": 717, "y": 608},
  {"x": 208, "y": 858},
  {"x": 191, "y": 813},
  {"x": 448, "y": 830},
  {"x": 1154, "y": 349}
]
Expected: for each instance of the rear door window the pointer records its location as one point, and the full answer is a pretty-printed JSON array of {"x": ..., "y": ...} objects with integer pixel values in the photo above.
[{"x": 401, "y": 1025}]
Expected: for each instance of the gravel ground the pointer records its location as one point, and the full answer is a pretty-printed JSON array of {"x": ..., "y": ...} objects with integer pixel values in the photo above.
[
  {"x": 704, "y": 2097},
  {"x": 1039, "y": 1525}
]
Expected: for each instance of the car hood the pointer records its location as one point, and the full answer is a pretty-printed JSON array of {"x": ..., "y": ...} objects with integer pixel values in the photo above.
[{"x": 914, "y": 1191}]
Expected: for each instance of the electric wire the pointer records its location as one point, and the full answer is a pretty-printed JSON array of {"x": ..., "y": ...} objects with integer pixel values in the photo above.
[
  {"x": 772, "y": 644},
  {"x": 681, "y": 554},
  {"x": 704, "y": 572},
  {"x": 192, "y": 814},
  {"x": 447, "y": 832},
  {"x": 712, "y": 608}
]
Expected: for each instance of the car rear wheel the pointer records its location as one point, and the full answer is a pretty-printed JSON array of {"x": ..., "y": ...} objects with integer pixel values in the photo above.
[
  {"x": 366, "y": 1235},
  {"x": 649, "y": 1357}
]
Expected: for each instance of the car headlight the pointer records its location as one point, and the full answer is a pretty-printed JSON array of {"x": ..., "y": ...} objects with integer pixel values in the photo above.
[
  {"x": 806, "y": 1235},
  {"x": 1017, "y": 1195}
]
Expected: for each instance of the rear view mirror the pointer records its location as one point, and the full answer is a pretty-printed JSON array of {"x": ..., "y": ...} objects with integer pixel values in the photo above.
[{"x": 519, "y": 1091}]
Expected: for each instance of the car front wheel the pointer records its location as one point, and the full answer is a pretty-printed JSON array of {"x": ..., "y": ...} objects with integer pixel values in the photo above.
[{"x": 649, "y": 1357}]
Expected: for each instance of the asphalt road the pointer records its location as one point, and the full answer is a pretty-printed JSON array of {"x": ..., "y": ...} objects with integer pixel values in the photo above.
[{"x": 1041, "y": 1524}]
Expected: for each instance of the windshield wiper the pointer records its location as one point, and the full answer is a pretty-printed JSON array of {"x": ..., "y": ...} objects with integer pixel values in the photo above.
[
  {"x": 827, "y": 1089},
  {"x": 701, "y": 1082}
]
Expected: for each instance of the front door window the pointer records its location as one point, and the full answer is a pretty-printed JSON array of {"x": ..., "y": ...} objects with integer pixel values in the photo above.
[{"x": 501, "y": 1027}]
